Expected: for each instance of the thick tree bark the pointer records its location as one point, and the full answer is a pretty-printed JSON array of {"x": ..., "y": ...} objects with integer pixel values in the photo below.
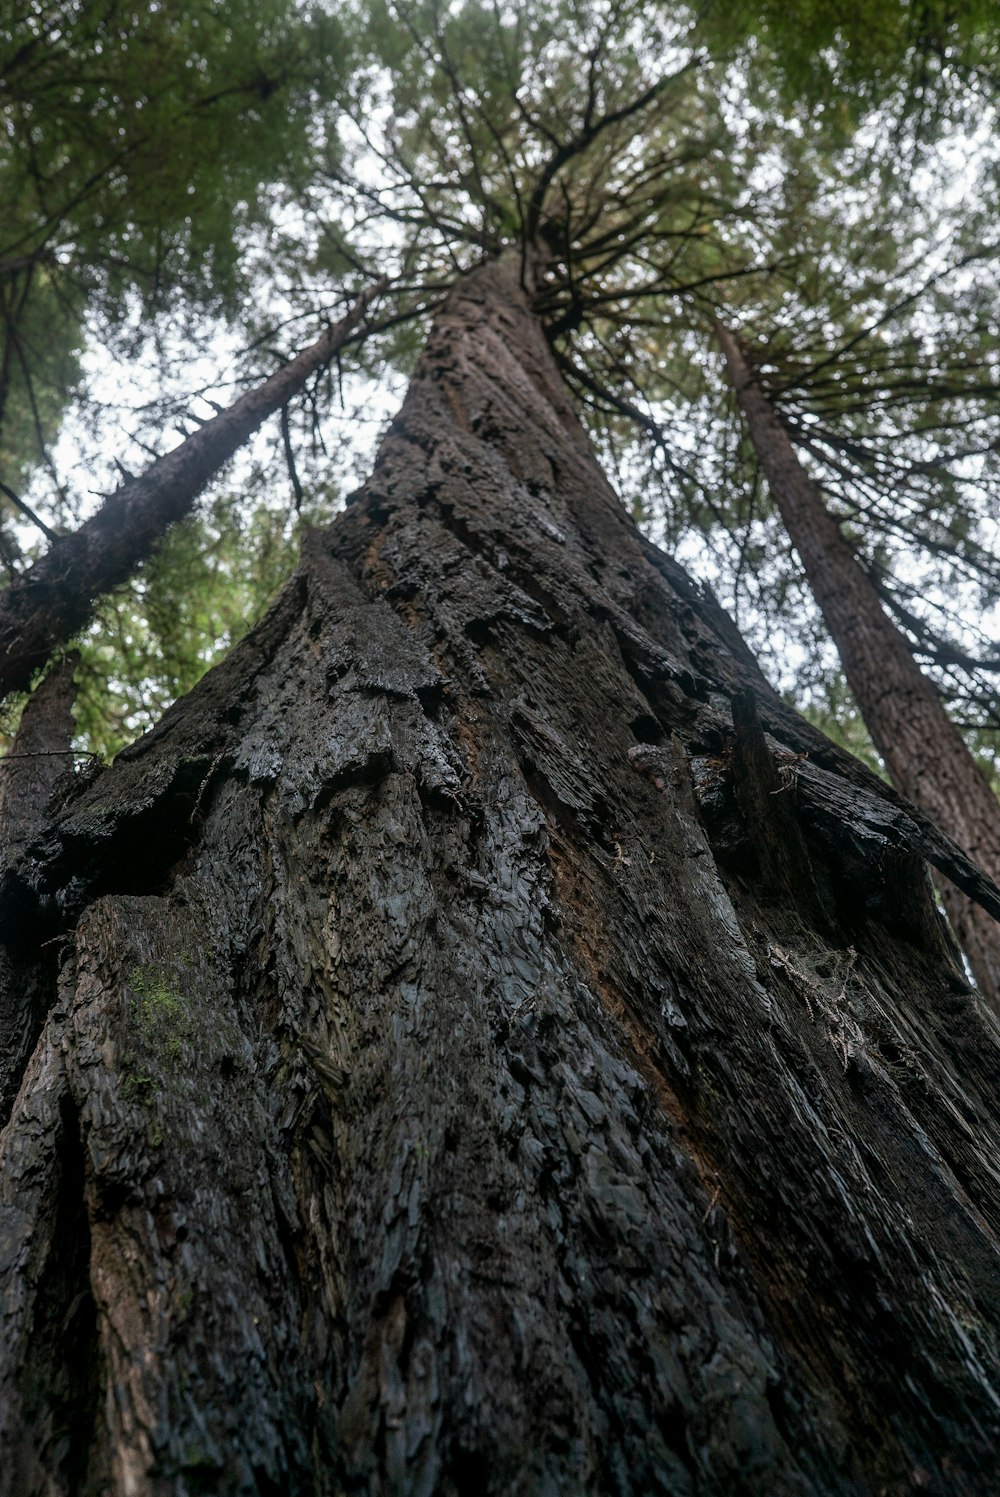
[
  {"x": 40, "y": 755},
  {"x": 458, "y": 1061},
  {"x": 923, "y": 751},
  {"x": 54, "y": 599}
]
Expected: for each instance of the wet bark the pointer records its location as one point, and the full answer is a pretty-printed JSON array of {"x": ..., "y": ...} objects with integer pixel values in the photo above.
[
  {"x": 438, "y": 1081},
  {"x": 923, "y": 751},
  {"x": 54, "y": 599}
]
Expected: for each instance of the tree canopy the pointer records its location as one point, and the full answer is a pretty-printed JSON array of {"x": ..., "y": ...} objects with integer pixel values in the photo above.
[
  {"x": 785, "y": 168},
  {"x": 141, "y": 144}
]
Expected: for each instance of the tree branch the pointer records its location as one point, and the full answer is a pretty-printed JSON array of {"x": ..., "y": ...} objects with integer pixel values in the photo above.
[{"x": 50, "y": 602}]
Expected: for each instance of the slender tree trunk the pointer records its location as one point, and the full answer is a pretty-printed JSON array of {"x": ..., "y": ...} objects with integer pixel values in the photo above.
[
  {"x": 922, "y": 749},
  {"x": 463, "y": 1061},
  {"x": 54, "y": 599}
]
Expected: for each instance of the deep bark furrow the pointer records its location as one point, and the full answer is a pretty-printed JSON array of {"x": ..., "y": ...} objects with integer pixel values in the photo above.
[{"x": 463, "y": 1111}]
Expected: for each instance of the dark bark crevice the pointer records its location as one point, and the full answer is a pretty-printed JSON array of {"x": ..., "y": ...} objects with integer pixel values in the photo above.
[
  {"x": 38, "y": 757},
  {"x": 54, "y": 1430}
]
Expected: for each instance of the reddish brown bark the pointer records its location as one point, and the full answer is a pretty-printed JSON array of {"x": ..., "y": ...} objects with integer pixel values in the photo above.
[
  {"x": 922, "y": 749},
  {"x": 54, "y": 599}
]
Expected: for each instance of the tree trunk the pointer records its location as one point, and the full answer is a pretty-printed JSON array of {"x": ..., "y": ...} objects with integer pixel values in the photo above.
[
  {"x": 459, "y": 1061},
  {"x": 54, "y": 599},
  {"x": 40, "y": 755},
  {"x": 922, "y": 749}
]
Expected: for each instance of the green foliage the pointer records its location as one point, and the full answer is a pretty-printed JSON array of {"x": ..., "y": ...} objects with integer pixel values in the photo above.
[
  {"x": 494, "y": 123},
  {"x": 934, "y": 59},
  {"x": 41, "y": 369},
  {"x": 136, "y": 145}
]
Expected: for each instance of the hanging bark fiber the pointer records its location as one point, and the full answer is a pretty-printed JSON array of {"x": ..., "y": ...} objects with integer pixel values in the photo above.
[{"x": 455, "y": 1059}]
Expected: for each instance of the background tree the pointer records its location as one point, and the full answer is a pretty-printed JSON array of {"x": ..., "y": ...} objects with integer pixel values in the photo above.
[
  {"x": 919, "y": 744},
  {"x": 53, "y": 599},
  {"x": 140, "y": 147}
]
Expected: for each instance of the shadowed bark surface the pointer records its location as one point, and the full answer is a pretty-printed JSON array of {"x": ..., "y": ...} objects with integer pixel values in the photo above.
[
  {"x": 38, "y": 756},
  {"x": 457, "y": 1060}
]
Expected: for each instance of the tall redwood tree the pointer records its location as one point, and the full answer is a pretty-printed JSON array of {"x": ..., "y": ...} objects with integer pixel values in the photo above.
[
  {"x": 924, "y": 752},
  {"x": 459, "y": 1051}
]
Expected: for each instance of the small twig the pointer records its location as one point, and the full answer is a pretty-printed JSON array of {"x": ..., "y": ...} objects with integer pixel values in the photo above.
[
  {"x": 286, "y": 442},
  {"x": 27, "y": 511}
]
